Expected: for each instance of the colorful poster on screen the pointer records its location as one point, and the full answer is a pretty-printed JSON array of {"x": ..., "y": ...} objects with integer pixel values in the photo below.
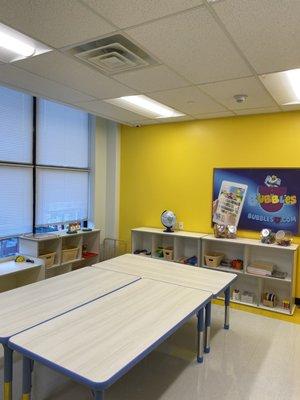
[{"x": 267, "y": 198}]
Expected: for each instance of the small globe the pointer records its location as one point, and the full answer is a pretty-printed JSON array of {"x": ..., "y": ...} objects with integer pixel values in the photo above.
[{"x": 168, "y": 219}]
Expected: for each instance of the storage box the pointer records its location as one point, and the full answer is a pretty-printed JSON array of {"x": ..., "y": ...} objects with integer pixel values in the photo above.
[
  {"x": 247, "y": 297},
  {"x": 214, "y": 259},
  {"x": 168, "y": 254},
  {"x": 48, "y": 259},
  {"x": 69, "y": 254},
  {"x": 268, "y": 303}
]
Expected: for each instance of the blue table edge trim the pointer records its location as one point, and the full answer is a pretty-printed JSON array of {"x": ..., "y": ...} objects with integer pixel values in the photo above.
[{"x": 99, "y": 386}]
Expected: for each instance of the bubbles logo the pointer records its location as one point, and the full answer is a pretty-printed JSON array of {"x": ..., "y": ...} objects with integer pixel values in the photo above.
[{"x": 272, "y": 197}]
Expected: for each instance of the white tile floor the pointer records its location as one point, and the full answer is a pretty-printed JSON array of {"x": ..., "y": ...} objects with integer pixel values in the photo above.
[{"x": 257, "y": 359}]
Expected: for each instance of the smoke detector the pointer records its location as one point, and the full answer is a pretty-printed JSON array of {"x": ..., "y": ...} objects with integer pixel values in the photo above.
[
  {"x": 240, "y": 98},
  {"x": 112, "y": 54}
]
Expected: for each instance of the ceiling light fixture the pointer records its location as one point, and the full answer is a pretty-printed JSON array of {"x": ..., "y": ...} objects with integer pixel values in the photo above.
[
  {"x": 15, "y": 46},
  {"x": 284, "y": 86},
  {"x": 145, "y": 106}
]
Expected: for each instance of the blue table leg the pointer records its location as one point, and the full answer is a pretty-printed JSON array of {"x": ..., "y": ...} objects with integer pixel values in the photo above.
[
  {"x": 207, "y": 327},
  {"x": 227, "y": 302},
  {"x": 99, "y": 395},
  {"x": 8, "y": 373},
  {"x": 200, "y": 316},
  {"x": 26, "y": 384}
]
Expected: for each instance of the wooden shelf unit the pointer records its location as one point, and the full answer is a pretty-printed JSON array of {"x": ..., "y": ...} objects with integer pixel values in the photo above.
[
  {"x": 249, "y": 250},
  {"x": 49, "y": 243},
  {"x": 14, "y": 275},
  {"x": 184, "y": 244}
]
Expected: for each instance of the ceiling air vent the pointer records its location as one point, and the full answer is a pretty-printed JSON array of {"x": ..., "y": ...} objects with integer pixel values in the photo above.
[{"x": 112, "y": 55}]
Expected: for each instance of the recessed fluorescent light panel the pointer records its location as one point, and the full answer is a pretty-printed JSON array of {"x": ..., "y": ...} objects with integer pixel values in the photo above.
[
  {"x": 284, "y": 86},
  {"x": 15, "y": 46},
  {"x": 145, "y": 106}
]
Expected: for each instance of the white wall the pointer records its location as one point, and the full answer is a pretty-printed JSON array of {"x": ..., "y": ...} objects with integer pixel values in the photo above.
[{"x": 105, "y": 156}]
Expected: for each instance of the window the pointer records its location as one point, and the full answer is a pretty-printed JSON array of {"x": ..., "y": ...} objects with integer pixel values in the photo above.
[
  {"x": 44, "y": 182},
  {"x": 16, "y": 198},
  {"x": 62, "y": 178}
]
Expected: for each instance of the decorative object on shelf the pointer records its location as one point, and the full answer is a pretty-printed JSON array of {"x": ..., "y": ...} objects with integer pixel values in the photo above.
[
  {"x": 226, "y": 263},
  {"x": 267, "y": 236},
  {"x": 168, "y": 253},
  {"x": 236, "y": 295},
  {"x": 168, "y": 219},
  {"x": 220, "y": 231},
  {"x": 159, "y": 252},
  {"x": 286, "y": 304},
  {"x": 213, "y": 259},
  {"x": 225, "y": 231},
  {"x": 237, "y": 264},
  {"x": 262, "y": 268},
  {"x": 143, "y": 252},
  {"x": 188, "y": 260},
  {"x": 279, "y": 274},
  {"x": 247, "y": 297},
  {"x": 20, "y": 259},
  {"x": 231, "y": 232},
  {"x": 284, "y": 238},
  {"x": 73, "y": 227},
  {"x": 269, "y": 299}
]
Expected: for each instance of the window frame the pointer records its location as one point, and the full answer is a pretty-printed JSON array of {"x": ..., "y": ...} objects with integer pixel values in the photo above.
[{"x": 34, "y": 165}]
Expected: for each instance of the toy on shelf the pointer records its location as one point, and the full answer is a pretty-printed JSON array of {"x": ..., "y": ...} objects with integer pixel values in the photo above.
[
  {"x": 267, "y": 236},
  {"x": 286, "y": 304},
  {"x": 236, "y": 295},
  {"x": 237, "y": 264},
  {"x": 269, "y": 299},
  {"x": 168, "y": 253},
  {"x": 284, "y": 238},
  {"x": 143, "y": 252}
]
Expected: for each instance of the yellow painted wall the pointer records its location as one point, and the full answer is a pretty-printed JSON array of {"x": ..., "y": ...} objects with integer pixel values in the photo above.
[{"x": 170, "y": 166}]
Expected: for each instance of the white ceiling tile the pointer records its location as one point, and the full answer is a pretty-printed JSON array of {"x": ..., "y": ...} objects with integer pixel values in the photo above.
[
  {"x": 189, "y": 100},
  {"x": 152, "y": 79},
  {"x": 55, "y": 22},
  {"x": 224, "y": 91},
  {"x": 267, "y": 31},
  {"x": 109, "y": 111},
  {"x": 254, "y": 111},
  {"x": 65, "y": 70},
  {"x": 131, "y": 12},
  {"x": 215, "y": 115},
  {"x": 38, "y": 86},
  {"x": 194, "y": 45}
]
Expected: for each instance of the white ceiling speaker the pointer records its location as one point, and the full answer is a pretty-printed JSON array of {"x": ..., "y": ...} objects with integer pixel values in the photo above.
[
  {"x": 240, "y": 98},
  {"x": 112, "y": 55}
]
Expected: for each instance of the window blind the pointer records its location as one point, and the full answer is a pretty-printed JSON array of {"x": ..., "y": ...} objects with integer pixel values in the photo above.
[
  {"x": 15, "y": 126},
  {"x": 15, "y": 200},
  {"x": 62, "y": 196},
  {"x": 62, "y": 135}
]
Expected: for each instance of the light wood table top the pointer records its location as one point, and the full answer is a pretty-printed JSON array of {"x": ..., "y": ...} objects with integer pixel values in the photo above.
[
  {"x": 166, "y": 271},
  {"x": 30, "y": 305},
  {"x": 97, "y": 343}
]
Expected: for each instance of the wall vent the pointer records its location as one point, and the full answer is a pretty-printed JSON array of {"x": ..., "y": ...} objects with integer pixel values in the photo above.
[{"x": 112, "y": 55}]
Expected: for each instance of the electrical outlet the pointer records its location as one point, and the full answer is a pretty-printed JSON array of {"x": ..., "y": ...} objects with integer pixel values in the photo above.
[{"x": 180, "y": 226}]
